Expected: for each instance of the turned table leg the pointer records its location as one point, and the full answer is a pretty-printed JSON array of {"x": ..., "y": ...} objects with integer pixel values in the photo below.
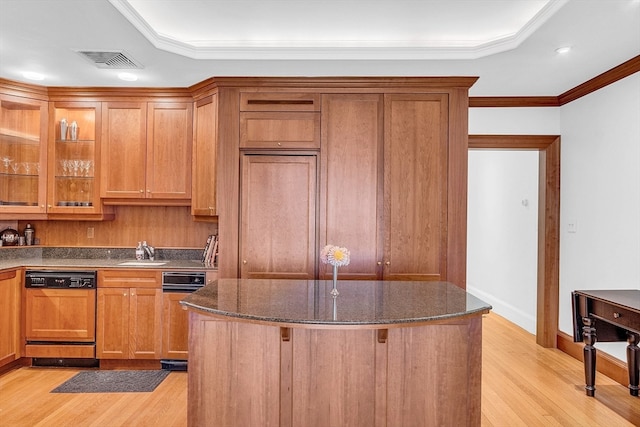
[
  {"x": 633, "y": 360},
  {"x": 589, "y": 335}
]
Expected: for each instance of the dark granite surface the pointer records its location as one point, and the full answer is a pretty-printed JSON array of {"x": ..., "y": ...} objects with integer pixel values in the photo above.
[
  {"x": 359, "y": 302},
  {"x": 67, "y": 257}
]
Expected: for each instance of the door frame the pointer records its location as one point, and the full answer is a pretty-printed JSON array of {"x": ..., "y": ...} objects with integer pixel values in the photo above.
[{"x": 548, "y": 287}]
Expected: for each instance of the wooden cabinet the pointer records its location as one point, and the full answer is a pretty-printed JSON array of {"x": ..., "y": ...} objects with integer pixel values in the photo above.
[
  {"x": 415, "y": 191},
  {"x": 175, "y": 331},
  {"x": 351, "y": 182},
  {"x": 74, "y": 161},
  {"x": 10, "y": 302},
  {"x": 387, "y": 206},
  {"x": 146, "y": 151},
  {"x": 278, "y": 211},
  {"x": 279, "y": 120},
  {"x": 205, "y": 144},
  {"x": 23, "y": 157},
  {"x": 129, "y": 314}
]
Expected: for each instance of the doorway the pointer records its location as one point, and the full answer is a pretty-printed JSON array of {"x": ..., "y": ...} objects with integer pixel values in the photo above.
[{"x": 548, "y": 147}]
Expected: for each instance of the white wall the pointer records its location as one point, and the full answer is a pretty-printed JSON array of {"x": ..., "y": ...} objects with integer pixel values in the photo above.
[
  {"x": 600, "y": 187},
  {"x": 502, "y": 232},
  {"x": 600, "y": 192}
]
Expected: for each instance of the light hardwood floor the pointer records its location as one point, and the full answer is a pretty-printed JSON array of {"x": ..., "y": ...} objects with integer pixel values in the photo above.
[{"x": 523, "y": 385}]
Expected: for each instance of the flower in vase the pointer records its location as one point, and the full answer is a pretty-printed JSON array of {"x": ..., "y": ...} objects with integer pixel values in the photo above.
[{"x": 335, "y": 255}]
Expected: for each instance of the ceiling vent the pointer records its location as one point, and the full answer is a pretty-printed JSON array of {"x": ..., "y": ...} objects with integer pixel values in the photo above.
[{"x": 113, "y": 59}]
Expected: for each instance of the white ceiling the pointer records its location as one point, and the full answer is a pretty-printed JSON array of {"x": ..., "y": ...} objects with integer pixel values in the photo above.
[{"x": 509, "y": 44}]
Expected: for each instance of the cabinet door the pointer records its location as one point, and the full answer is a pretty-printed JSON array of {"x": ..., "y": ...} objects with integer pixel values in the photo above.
[
  {"x": 9, "y": 317},
  {"x": 351, "y": 190},
  {"x": 169, "y": 144},
  {"x": 145, "y": 323},
  {"x": 203, "y": 196},
  {"x": 175, "y": 327},
  {"x": 124, "y": 150},
  {"x": 74, "y": 157},
  {"x": 112, "y": 324},
  {"x": 415, "y": 192},
  {"x": 278, "y": 216},
  {"x": 23, "y": 161}
]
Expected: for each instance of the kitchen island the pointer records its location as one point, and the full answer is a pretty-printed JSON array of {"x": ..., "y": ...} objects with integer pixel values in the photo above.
[{"x": 288, "y": 353}]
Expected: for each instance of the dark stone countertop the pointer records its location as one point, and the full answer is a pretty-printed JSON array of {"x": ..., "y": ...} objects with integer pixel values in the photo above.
[
  {"x": 39, "y": 257},
  {"x": 359, "y": 302}
]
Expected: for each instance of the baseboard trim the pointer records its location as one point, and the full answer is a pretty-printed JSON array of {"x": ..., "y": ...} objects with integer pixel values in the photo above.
[{"x": 605, "y": 364}]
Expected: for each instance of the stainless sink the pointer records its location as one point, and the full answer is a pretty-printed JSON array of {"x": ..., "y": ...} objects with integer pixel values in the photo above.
[{"x": 142, "y": 263}]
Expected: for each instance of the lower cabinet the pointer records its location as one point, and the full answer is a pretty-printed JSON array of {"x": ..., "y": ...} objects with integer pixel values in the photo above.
[
  {"x": 175, "y": 328},
  {"x": 129, "y": 315},
  {"x": 10, "y": 285}
]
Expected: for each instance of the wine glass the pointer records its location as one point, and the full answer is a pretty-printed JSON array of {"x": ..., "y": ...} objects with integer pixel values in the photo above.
[
  {"x": 16, "y": 167},
  {"x": 7, "y": 161}
]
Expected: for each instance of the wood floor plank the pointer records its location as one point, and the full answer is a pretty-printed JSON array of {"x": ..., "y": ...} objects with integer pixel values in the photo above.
[{"x": 523, "y": 384}]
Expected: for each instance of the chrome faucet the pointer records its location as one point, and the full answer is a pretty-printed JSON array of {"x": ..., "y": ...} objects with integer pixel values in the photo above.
[{"x": 149, "y": 250}]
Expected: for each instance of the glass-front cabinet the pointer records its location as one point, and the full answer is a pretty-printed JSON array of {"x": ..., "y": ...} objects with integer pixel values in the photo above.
[
  {"x": 73, "y": 158},
  {"x": 23, "y": 142}
]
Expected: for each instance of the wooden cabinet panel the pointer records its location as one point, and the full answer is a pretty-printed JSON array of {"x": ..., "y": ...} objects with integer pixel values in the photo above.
[
  {"x": 351, "y": 183},
  {"x": 205, "y": 155},
  {"x": 334, "y": 379},
  {"x": 415, "y": 186},
  {"x": 44, "y": 320},
  {"x": 10, "y": 302},
  {"x": 145, "y": 323},
  {"x": 129, "y": 318},
  {"x": 175, "y": 331},
  {"x": 279, "y": 130},
  {"x": 235, "y": 372},
  {"x": 169, "y": 145},
  {"x": 279, "y": 101},
  {"x": 112, "y": 324},
  {"x": 278, "y": 212},
  {"x": 123, "y": 159}
]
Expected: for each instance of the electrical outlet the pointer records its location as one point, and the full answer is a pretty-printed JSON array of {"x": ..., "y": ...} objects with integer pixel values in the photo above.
[
  {"x": 90, "y": 233},
  {"x": 572, "y": 226}
]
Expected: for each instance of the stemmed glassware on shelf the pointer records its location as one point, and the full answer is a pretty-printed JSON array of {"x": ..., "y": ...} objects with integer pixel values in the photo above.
[{"x": 7, "y": 162}]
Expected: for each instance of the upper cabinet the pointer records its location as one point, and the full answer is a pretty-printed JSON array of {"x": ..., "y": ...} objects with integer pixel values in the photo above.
[
  {"x": 23, "y": 156},
  {"x": 205, "y": 149},
  {"x": 74, "y": 160},
  {"x": 280, "y": 120},
  {"x": 391, "y": 176},
  {"x": 146, "y": 152}
]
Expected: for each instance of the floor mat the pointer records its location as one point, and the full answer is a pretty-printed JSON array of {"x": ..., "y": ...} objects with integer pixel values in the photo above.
[{"x": 112, "y": 382}]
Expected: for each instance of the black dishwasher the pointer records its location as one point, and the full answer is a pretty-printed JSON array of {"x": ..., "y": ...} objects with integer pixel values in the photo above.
[{"x": 175, "y": 286}]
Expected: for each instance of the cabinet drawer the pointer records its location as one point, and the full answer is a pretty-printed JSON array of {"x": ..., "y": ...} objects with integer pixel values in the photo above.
[
  {"x": 279, "y": 101},
  {"x": 616, "y": 315},
  {"x": 279, "y": 130},
  {"x": 130, "y": 278}
]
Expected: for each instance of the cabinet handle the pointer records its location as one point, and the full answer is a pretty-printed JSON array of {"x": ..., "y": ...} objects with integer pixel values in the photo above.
[
  {"x": 49, "y": 206},
  {"x": 148, "y": 191},
  {"x": 617, "y": 315},
  {"x": 388, "y": 263},
  {"x": 279, "y": 144},
  {"x": 124, "y": 294},
  {"x": 379, "y": 262},
  {"x": 142, "y": 191},
  {"x": 244, "y": 261}
]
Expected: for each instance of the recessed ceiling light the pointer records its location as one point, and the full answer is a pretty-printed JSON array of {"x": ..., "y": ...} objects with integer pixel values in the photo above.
[
  {"x": 32, "y": 75},
  {"x": 128, "y": 77},
  {"x": 563, "y": 49}
]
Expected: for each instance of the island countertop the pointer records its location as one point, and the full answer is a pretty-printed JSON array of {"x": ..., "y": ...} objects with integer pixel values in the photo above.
[{"x": 309, "y": 302}]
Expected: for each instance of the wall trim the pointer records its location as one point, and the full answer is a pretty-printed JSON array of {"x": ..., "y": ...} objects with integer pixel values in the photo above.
[{"x": 623, "y": 70}]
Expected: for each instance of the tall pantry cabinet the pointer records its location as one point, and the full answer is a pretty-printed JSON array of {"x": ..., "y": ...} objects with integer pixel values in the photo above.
[{"x": 391, "y": 174}]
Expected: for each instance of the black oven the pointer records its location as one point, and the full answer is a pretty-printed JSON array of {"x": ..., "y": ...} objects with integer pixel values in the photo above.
[{"x": 60, "y": 317}]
